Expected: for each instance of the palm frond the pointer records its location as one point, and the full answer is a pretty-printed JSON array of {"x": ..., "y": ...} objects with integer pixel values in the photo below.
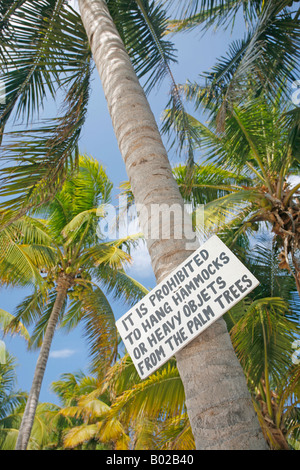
[
  {"x": 161, "y": 394},
  {"x": 212, "y": 12},
  {"x": 265, "y": 330},
  {"x": 100, "y": 330},
  {"x": 142, "y": 25},
  {"x": 6, "y": 322},
  {"x": 265, "y": 60},
  {"x": 46, "y": 52},
  {"x": 176, "y": 434},
  {"x": 120, "y": 285}
]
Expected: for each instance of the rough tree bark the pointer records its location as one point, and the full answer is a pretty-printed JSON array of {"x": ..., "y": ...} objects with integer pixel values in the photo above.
[{"x": 218, "y": 402}]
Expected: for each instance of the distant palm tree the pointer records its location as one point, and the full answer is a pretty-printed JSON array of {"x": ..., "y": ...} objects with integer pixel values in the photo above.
[
  {"x": 74, "y": 264},
  {"x": 85, "y": 409}
]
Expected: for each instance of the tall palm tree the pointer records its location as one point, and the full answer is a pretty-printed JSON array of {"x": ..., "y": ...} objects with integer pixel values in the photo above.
[
  {"x": 71, "y": 258},
  {"x": 152, "y": 182},
  {"x": 147, "y": 167}
]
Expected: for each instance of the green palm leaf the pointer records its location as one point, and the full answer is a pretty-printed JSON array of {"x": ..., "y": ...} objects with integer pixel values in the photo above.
[
  {"x": 265, "y": 332},
  {"x": 43, "y": 67},
  {"x": 161, "y": 394},
  {"x": 266, "y": 59},
  {"x": 6, "y": 322}
]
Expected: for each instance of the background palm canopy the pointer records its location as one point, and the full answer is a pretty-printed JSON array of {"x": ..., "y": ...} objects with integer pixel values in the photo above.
[
  {"x": 74, "y": 264},
  {"x": 67, "y": 242},
  {"x": 267, "y": 58},
  {"x": 258, "y": 150},
  {"x": 45, "y": 53}
]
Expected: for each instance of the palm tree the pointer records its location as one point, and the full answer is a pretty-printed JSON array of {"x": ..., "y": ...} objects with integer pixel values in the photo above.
[
  {"x": 257, "y": 144},
  {"x": 71, "y": 258},
  {"x": 150, "y": 175},
  {"x": 152, "y": 182},
  {"x": 263, "y": 337}
]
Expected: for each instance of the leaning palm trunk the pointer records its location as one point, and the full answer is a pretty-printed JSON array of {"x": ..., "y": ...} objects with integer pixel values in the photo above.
[
  {"x": 218, "y": 402},
  {"x": 32, "y": 401}
]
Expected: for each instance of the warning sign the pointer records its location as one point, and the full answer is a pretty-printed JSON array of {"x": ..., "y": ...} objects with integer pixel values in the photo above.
[{"x": 185, "y": 303}]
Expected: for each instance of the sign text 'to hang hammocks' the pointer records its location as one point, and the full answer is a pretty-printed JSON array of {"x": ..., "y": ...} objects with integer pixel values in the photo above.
[{"x": 185, "y": 303}]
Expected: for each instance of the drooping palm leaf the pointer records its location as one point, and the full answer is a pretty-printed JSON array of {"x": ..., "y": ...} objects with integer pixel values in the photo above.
[
  {"x": 265, "y": 333},
  {"x": 142, "y": 25},
  {"x": 6, "y": 322},
  {"x": 47, "y": 51},
  {"x": 266, "y": 59}
]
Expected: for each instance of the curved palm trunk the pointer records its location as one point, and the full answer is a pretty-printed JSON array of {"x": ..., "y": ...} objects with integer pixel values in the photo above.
[
  {"x": 32, "y": 401},
  {"x": 218, "y": 402}
]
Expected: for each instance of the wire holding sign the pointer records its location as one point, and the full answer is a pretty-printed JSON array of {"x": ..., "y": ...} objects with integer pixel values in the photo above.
[{"x": 185, "y": 303}]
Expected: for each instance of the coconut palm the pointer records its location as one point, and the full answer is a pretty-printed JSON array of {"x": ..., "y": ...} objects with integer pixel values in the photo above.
[
  {"x": 152, "y": 182},
  {"x": 72, "y": 258},
  {"x": 257, "y": 143},
  {"x": 263, "y": 331},
  {"x": 150, "y": 175}
]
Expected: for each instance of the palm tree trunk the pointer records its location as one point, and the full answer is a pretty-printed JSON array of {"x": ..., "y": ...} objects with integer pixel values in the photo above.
[
  {"x": 218, "y": 402},
  {"x": 32, "y": 401}
]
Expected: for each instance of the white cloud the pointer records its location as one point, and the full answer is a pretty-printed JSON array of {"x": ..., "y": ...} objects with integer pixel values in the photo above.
[{"x": 62, "y": 353}]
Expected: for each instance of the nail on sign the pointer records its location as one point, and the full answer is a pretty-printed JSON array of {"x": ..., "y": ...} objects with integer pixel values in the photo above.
[{"x": 185, "y": 303}]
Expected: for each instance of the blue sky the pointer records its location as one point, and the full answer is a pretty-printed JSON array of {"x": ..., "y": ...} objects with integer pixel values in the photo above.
[{"x": 69, "y": 352}]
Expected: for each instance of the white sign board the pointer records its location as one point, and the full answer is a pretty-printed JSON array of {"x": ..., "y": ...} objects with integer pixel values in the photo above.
[{"x": 185, "y": 303}]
